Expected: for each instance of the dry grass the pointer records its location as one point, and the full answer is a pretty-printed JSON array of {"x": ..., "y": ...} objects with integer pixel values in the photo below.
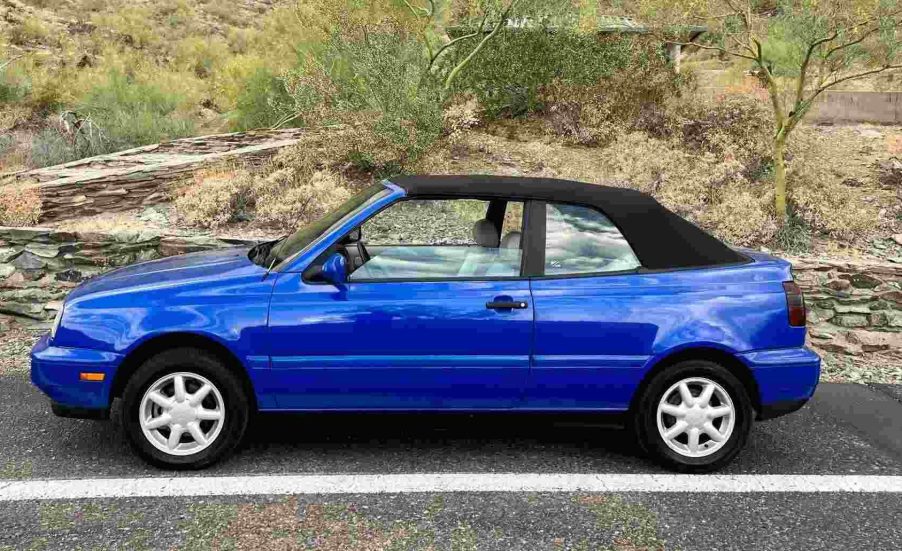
[
  {"x": 19, "y": 205},
  {"x": 291, "y": 200},
  {"x": 215, "y": 197}
]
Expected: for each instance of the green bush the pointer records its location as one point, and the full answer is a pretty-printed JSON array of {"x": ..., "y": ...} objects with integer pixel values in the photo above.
[
  {"x": 509, "y": 73},
  {"x": 377, "y": 82},
  {"x": 130, "y": 114},
  {"x": 50, "y": 147},
  {"x": 263, "y": 103}
]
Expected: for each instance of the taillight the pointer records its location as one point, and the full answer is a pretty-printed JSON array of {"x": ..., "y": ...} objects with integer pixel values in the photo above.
[{"x": 795, "y": 300}]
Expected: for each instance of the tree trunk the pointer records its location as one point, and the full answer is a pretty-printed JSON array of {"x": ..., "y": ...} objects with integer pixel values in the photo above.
[{"x": 780, "y": 180}]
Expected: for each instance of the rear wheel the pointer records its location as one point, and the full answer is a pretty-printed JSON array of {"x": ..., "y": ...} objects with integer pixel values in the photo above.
[
  {"x": 183, "y": 409},
  {"x": 694, "y": 417}
]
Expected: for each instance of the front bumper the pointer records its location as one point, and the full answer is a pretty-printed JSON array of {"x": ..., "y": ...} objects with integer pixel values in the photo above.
[
  {"x": 786, "y": 378},
  {"x": 56, "y": 371}
]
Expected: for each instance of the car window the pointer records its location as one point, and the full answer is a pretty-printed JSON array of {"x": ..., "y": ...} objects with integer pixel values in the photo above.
[
  {"x": 581, "y": 240},
  {"x": 441, "y": 239}
]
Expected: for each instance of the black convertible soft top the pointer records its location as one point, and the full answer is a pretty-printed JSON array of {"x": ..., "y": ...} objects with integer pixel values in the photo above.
[{"x": 661, "y": 239}]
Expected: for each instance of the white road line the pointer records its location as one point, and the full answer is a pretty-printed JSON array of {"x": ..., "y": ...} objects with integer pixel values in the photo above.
[{"x": 185, "y": 486}]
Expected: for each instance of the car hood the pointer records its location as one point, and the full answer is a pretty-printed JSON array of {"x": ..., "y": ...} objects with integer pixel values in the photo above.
[{"x": 168, "y": 271}]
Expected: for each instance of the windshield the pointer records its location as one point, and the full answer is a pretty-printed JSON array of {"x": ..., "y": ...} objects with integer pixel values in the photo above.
[{"x": 288, "y": 246}]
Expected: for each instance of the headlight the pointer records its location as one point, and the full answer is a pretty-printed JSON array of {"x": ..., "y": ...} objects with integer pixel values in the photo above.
[{"x": 56, "y": 321}]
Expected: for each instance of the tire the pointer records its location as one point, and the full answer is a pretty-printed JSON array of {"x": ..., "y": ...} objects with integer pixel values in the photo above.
[
  {"x": 678, "y": 453},
  {"x": 201, "y": 437}
]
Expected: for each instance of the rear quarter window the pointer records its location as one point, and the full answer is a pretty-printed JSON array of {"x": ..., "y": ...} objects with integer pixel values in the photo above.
[{"x": 582, "y": 240}]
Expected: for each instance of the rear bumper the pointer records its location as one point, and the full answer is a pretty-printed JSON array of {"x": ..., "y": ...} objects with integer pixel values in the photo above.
[
  {"x": 56, "y": 371},
  {"x": 786, "y": 378}
]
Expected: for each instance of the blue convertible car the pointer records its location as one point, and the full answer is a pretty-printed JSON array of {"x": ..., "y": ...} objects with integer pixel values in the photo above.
[{"x": 444, "y": 293}]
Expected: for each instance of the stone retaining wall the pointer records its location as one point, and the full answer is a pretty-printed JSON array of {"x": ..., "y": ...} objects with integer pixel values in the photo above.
[
  {"x": 38, "y": 266},
  {"x": 138, "y": 177},
  {"x": 853, "y": 306}
]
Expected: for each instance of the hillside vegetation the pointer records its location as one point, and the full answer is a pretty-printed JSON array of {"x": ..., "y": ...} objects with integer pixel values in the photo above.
[{"x": 393, "y": 86}]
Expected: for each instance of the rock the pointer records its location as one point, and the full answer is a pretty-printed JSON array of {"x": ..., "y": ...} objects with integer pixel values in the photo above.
[
  {"x": 840, "y": 346},
  {"x": 878, "y": 319},
  {"x": 28, "y": 261},
  {"x": 893, "y": 319},
  {"x": 30, "y": 311},
  {"x": 851, "y": 320},
  {"x": 6, "y": 270},
  {"x": 875, "y": 341},
  {"x": 893, "y": 296},
  {"x": 14, "y": 280},
  {"x": 42, "y": 250},
  {"x": 819, "y": 333},
  {"x": 898, "y": 239},
  {"x": 838, "y": 284},
  {"x": 852, "y": 308},
  {"x": 69, "y": 275},
  {"x": 8, "y": 253},
  {"x": 864, "y": 281}
]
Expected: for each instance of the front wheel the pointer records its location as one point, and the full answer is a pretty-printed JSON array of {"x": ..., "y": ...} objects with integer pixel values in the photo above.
[
  {"x": 183, "y": 409},
  {"x": 694, "y": 417}
]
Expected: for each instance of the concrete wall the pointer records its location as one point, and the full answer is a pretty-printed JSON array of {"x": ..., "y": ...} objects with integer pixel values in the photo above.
[{"x": 848, "y": 107}]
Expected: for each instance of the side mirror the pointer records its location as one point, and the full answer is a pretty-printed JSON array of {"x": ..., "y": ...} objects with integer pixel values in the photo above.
[{"x": 335, "y": 270}]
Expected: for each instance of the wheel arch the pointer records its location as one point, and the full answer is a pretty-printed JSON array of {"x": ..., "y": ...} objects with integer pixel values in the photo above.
[
  {"x": 154, "y": 345},
  {"x": 707, "y": 353}
]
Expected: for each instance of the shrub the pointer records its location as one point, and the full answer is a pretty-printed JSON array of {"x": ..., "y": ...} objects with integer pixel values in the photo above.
[
  {"x": 201, "y": 55},
  {"x": 215, "y": 197},
  {"x": 818, "y": 193},
  {"x": 263, "y": 102},
  {"x": 288, "y": 200},
  {"x": 30, "y": 30},
  {"x": 733, "y": 126},
  {"x": 381, "y": 75},
  {"x": 510, "y": 72},
  {"x": 132, "y": 24},
  {"x": 637, "y": 94},
  {"x": 50, "y": 147},
  {"x": 127, "y": 113},
  {"x": 794, "y": 236},
  {"x": 19, "y": 205},
  {"x": 741, "y": 217}
]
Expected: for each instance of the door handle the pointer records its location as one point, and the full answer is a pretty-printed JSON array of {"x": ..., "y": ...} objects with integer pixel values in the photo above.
[{"x": 506, "y": 305}]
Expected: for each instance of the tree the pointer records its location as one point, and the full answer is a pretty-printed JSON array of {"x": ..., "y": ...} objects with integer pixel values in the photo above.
[{"x": 798, "y": 48}]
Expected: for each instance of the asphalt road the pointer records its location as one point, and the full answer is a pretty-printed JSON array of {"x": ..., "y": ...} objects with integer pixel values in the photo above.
[{"x": 845, "y": 430}]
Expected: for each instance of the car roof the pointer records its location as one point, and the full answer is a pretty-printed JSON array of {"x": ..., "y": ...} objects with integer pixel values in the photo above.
[{"x": 660, "y": 238}]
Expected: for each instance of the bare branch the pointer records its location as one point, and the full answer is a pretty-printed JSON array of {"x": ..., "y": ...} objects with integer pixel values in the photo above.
[
  {"x": 715, "y": 48},
  {"x": 851, "y": 43},
  {"x": 856, "y": 76}
]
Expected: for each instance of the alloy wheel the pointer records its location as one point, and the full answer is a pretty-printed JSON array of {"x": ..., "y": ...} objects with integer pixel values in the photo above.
[
  {"x": 696, "y": 417},
  {"x": 182, "y": 413}
]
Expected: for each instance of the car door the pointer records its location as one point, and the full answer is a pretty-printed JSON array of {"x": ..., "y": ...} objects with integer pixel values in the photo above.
[
  {"x": 592, "y": 340},
  {"x": 418, "y": 325}
]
